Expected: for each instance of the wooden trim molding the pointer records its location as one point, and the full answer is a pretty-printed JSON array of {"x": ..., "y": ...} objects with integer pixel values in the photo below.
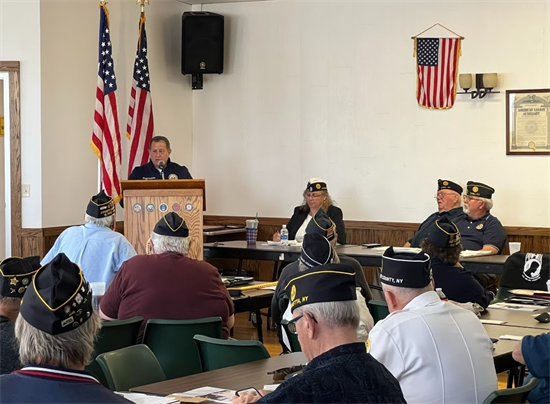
[{"x": 15, "y": 154}]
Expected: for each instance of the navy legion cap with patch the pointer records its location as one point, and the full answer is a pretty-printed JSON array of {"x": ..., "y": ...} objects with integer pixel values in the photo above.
[
  {"x": 173, "y": 225},
  {"x": 316, "y": 184},
  {"x": 407, "y": 270},
  {"x": 446, "y": 184},
  {"x": 444, "y": 233},
  {"x": 321, "y": 224},
  {"x": 16, "y": 275},
  {"x": 59, "y": 298},
  {"x": 324, "y": 283},
  {"x": 316, "y": 250},
  {"x": 479, "y": 189},
  {"x": 101, "y": 205}
]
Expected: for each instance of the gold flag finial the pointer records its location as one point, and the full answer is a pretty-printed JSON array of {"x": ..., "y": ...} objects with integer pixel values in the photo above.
[{"x": 142, "y": 5}]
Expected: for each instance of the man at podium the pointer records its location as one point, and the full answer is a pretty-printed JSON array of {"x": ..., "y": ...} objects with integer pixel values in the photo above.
[{"x": 160, "y": 166}]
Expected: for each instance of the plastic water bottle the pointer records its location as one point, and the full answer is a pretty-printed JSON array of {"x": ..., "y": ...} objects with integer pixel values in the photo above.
[{"x": 284, "y": 235}]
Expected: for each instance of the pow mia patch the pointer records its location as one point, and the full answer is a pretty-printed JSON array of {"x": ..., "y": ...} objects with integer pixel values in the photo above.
[
  {"x": 532, "y": 268},
  {"x": 173, "y": 177}
]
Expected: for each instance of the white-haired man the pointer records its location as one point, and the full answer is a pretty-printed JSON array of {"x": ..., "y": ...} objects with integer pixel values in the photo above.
[
  {"x": 168, "y": 284},
  {"x": 56, "y": 329},
  {"x": 325, "y": 317},
  {"x": 439, "y": 352},
  {"x": 95, "y": 246}
]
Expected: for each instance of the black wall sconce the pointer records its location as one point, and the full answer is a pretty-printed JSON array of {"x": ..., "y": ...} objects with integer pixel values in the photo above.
[{"x": 485, "y": 83}]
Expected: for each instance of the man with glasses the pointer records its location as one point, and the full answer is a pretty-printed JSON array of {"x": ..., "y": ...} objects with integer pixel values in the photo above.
[
  {"x": 479, "y": 229},
  {"x": 448, "y": 199},
  {"x": 325, "y": 317}
]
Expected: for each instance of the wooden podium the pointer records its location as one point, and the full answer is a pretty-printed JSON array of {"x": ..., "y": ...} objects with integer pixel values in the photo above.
[{"x": 146, "y": 201}]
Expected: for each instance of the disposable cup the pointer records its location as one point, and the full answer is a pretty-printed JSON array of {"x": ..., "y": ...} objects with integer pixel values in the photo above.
[
  {"x": 251, "y": 224},
  {"x": 251, "y": 235},
  {"x": 514, "y": 247},
  {"x": 98, "y": 290}
]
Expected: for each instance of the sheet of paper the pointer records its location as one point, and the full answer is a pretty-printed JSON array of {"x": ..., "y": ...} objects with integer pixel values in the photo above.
[
  {"x": 473, "y": 253},
  {"x": 517, "y": 307},
  {"x": 511, "y": 337},
  {"x": 497, "y": 322},
  {"x": 215, "y": 394},
  {"x": 140, "y": 398}
]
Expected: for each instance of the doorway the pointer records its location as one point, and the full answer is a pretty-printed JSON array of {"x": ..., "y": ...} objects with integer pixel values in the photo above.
[{"x": 11, "y": 209}]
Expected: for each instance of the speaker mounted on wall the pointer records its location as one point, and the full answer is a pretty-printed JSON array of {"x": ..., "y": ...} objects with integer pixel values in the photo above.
[{"x": 201, "y": 45}]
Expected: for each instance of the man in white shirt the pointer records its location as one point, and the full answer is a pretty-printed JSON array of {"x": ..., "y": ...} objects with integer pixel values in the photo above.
[{"x": 439, "y": 352}]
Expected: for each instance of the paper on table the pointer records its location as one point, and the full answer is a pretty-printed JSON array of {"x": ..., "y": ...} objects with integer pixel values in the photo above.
[
  {"x": 498, "y": 322},
  {"x": 215, "y": 394},
  {"x": 473, "y": 253},
  {"x": 141, "y": 398},
  {"x": 516, "y": 306},
  {"x": 511, "y": 337},
  {"x": 290, "y": 243}
]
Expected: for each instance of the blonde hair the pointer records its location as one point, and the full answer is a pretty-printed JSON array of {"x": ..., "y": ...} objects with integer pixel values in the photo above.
[{"x": 326, "y": 203}]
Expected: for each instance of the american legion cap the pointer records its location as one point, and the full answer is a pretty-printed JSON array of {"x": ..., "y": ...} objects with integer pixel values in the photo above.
[
  {"x": 446, "y": 184},
  {"x": 101, "y": 205},
  {"x": 479, "y": 189},
  {"x": 16, "y": 275},
  {"x": 444, "y": 233},
  {"x": 316, "y": 250},
  {"x": 172, "y": 225},
  {"x": 321, "y": 224},
  {"x": 59, "y": 298},
  {"x": 324, "y": 283},
  {"x": 404, "y": 269}
]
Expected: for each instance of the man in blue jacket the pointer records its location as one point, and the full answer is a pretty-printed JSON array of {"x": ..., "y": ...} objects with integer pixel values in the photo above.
[
  {"x": 534, "y": 352},
  {"x": 160, "y": 166}
]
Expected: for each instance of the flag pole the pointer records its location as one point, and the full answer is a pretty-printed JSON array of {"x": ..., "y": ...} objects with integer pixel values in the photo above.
[{"x": 142, "y": 6}]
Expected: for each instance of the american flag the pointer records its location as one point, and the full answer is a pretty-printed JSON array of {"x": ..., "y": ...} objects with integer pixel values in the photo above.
[
  {"x": 140, "y": 125},
  {"x": 106, "y": 133},
  {"x": 437, "y": 68}
]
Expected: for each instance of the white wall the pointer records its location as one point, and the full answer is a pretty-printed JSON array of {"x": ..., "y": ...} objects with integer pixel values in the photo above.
[
  {"x": 69, "y": 46},
  {"x": 20, "y": 41},
  {"x": 327, "y": 89}
]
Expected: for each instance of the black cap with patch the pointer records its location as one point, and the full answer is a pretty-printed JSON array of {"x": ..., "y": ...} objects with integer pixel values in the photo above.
[
  {"x": 405, "y": 269},
  {"x": 444, "y": 233},
  {"x": 479, "y": 189},
  {"x": 316, "y": 250},
  {"x": 173, "y": 225},
  {"x": 446, "y": 184},
  {"x": 59, "y": 298},
  {"x": 101, "y": 205},
  {"x": 16, "y": 275},
  {"x": 325, "y": 283},
  {"x": 321, "y": 224},
  {"x": 316, "y": 184}
]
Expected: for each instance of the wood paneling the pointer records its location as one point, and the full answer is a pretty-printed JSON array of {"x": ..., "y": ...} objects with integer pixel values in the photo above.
[
  {"x": 533, "y": 239},
  {"x": 15, "y": 154}
]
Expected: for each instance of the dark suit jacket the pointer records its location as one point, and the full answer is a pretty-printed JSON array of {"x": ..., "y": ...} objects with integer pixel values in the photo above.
[{"x": 300, "y": 215}]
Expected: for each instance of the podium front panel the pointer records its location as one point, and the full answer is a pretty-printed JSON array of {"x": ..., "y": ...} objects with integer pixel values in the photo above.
[{"x": 144, "y": 208}]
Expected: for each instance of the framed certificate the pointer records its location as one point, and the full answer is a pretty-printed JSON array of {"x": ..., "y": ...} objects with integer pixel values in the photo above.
[{"x": 528, "y": 121}]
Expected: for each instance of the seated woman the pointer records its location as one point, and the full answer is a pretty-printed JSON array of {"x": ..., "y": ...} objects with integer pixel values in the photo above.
[
  {"x": 316, "y": 197},
  {"x": 443, "y": 246}
]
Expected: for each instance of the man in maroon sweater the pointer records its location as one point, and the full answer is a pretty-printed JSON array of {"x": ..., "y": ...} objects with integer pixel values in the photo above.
[{"x": 167, "y": 284}]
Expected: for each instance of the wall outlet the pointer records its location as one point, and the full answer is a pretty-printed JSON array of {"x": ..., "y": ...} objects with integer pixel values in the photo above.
[{"x": 26, "y": 190}]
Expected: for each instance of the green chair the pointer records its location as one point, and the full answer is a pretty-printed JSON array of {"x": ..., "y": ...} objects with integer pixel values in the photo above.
[
  {"x": 130, "y": 367},
  {"x": 517, "y": 395},
  {"x": 113, "y": 335},
  {"x": 378, "y": 309},
  {"x": 292, "y": 338},
  {"x": 221, "y": 353},
  {"x": 172, "y": 343}
]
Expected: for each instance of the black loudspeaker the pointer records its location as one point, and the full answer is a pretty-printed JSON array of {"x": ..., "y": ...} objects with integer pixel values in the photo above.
[{"x": 201, "y": 43}]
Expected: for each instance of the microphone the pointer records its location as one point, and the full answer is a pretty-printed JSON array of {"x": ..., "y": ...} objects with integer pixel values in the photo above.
[{"x": 162, "y": 166}]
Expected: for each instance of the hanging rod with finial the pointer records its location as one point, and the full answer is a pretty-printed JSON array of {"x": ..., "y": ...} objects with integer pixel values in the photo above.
[{"x": 142, "y": 5}]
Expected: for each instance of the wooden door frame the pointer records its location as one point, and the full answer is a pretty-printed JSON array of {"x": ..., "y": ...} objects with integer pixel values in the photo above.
[{"x": 12, "y": 68}]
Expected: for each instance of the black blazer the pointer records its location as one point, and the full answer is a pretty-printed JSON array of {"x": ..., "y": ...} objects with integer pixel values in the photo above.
[{"x": 300, "y": 215}]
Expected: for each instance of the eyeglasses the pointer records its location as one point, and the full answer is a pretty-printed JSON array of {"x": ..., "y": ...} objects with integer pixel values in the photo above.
[
  {"x": 469, "y": 198},
  {"x": 314, "y": 196},
  {"x": 442, "y": 194},
  {"x": 291, "y": 326}
]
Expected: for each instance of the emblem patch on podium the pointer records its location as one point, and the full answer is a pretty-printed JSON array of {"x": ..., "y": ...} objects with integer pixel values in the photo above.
[
  {"x": 176, "y": 207},
  {"x": 189, "y": 206},
  {"x": 150, "y": 207},
  {"x": 136, "y": 208},
  {"x": 163, "y": 207}
]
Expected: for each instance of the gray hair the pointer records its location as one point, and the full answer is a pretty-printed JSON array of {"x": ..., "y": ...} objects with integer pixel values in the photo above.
[
  {"x": 488, "y": 203},
  {"x": 8, "y": 300},
  {"x": 100, "y": 221},
  {"x": 62, "y": 350},
  {"x": 407, "y": 294},
  {"x": 334, "y": 314},
  {"x": 170, "y": 244}
]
